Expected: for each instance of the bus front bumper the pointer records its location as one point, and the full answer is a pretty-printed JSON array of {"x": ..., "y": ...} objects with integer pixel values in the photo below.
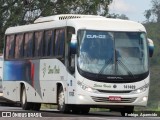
[{"x": 111, "y": 99}]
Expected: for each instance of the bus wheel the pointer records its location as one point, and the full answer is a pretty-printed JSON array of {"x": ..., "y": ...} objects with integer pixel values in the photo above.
[
  {"x": 75, "y": 110},
  {"x": 127, "y": 110},
  {"x": 85, "y": 110},
  {"x": 36, "y": 106},
  {"x": 25, "y": 105},
  {"x": 62, "y": 107}
]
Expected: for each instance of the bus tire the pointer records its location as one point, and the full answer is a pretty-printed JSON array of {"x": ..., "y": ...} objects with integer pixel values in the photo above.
[
  {"x": 127, "y": 110},
  {"x": 75, "y": 110},
  {"x": 62, "y": 107},
  {"x": 80, "y": 109},
  {"x": 25, "y": 105},
  {"x": 85, "y": 110},
  {"x": 36, "y": 106}
]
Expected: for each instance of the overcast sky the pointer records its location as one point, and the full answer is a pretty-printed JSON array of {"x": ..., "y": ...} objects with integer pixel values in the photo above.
[{"x": 133, "y": 9}]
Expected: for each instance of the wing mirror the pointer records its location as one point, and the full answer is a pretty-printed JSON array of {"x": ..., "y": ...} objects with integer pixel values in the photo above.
[
  {"x": 73, "y": 44},
  {"x": 150, "y": 47}
]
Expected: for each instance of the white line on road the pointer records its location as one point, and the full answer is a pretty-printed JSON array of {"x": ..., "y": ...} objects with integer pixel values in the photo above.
[{"x": 101, "y": 118}]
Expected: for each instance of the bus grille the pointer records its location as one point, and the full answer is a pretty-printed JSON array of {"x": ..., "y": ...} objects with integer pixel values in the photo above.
[
  {"x": 106, "y": 99},
  {"x": 108, "y": 91}
]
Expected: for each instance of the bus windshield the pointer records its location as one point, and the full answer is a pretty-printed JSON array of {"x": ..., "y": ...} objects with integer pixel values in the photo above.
[{"x": 112, "y": 53}]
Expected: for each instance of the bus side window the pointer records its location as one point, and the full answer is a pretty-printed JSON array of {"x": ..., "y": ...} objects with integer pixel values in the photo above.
[
  {"x": 7, "y": 47},
  {"x": 19, "y": 46},
  {"x": 56, "y": 42},
  {"x": 59, "y": 42},
  {"x": 10, "y": 46},
  {"x": 48, "y": 43},
  {"x": 28, "y": 45},
  {"x": 62, "y": 40},
  {"x": 70, "y": 31},
  {"x": 38, "y": 44}
]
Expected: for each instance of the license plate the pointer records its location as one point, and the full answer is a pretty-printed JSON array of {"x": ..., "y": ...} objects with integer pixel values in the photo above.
[{"x": 114, "y": 98}]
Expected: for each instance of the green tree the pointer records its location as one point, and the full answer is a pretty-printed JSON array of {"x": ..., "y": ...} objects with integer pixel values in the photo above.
[
  {"x": 20, "y": 12},
  {"x": 147, "y": 14},
  {"x": 153, "y": 32},
  {"x": 122, "y": 16},
  {"x": 154, "y": 11}
]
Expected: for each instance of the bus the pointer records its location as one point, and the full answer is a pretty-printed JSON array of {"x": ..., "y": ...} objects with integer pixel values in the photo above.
[
  {"x": 3, "y": 101},
  {"x": 78, "y": 62}
]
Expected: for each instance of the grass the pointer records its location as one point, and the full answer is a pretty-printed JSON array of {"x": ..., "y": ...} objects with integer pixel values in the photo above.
[{"x": 48, "y": 106}]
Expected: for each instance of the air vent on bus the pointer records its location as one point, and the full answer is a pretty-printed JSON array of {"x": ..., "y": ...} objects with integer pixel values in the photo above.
[
  {"x": 68, "y": 17},
  {"x": 64, "y": 17}
]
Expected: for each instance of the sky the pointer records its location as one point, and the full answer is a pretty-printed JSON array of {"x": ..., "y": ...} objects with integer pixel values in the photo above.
[{"x": 133, "y": 9}]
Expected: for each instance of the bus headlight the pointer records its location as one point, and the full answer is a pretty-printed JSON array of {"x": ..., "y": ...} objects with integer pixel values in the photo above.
[
  {"x": 87, "y": 88},
  {"x": 140, "y": 90}
]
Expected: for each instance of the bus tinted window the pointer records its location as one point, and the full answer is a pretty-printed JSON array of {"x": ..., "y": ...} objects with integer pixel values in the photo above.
[
  {"x": 28, "y": 45},
  {"x": 70, "y": 31},
  {"x": 49, "y": 38},
  {"x": 10, "y": 47},
  {"x": 19, "y": 46},
  {"x": 38, "y": 44},
  {"x": 59, "y": 42}
]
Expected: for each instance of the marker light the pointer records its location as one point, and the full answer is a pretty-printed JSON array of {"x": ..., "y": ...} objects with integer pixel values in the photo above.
[
  {"x": 138, "y": 91},
  {"x": 87, "y": 88},
  {"x": 81, "y": 97}
]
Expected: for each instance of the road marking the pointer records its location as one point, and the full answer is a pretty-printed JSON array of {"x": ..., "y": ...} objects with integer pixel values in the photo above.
[{"x": 101, "y": 118}]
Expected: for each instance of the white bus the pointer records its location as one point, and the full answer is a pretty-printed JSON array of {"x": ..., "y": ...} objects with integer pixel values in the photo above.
[{"x": 78, "y": 62}]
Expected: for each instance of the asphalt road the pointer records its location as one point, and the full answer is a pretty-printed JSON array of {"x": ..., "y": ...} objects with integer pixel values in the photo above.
[{"x": 17, "y": 113}]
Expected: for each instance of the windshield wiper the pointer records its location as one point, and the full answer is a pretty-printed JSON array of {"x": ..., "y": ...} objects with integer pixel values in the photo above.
[
  {"x": 105, "y": 66},
  {"x": 125, "y": 67}
]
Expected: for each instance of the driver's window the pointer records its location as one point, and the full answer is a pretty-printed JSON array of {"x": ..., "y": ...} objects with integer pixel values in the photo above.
[{"x": 70, "y": 32}]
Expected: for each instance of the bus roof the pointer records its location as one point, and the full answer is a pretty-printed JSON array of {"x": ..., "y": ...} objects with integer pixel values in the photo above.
[
  {"x": 106, "y": 24},
  {"x": 79, "y": 22}
]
